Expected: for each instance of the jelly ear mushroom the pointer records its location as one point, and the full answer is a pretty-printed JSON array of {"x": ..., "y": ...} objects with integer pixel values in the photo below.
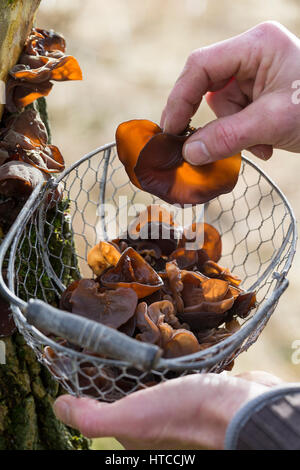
[
  {"x": 110, "y": 307},
  {"x": 134, "y": 272},
  {"x": 18, "y": 179},
  {"x": 42, "y": 60},
  {"x": 148, "y": 328},
  {"x": 24, "y": 138},
  {"x": 154, "y": 162},
  {"x": 103, "y": 256},
  {"x": 212, "y": 269},
  {"x": 131, "y": 137},
  {"x": 202, "y": 236},
  {"x": 186, "y": 259},
  {"x": 154, "y": 213},
  {"x": 182, "y": 343},
  {"x": 155, "y": 224}
]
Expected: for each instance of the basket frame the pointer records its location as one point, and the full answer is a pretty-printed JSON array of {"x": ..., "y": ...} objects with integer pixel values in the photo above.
[{"x": 203, "y": 359}]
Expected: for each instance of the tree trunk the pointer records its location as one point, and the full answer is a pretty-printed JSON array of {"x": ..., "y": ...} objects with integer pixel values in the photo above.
[
  {"x": 16, "y": 19},
  {"x": 27, "y": 389}
]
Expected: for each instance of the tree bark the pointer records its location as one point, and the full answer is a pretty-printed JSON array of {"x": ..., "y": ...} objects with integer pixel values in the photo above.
[
  {"x": 16, "y": 19},
  {"x": 27, "y": 389}
]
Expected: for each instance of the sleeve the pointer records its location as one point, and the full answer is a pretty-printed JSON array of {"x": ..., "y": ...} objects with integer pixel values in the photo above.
[{"x": 270, "y": 421}]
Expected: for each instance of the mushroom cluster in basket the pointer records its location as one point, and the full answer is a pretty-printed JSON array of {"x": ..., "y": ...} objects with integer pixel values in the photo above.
[{"x": 160, "y": 290}]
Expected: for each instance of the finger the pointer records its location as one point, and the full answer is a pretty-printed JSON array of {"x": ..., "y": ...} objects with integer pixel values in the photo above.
[
  {"x": 228, "y": 100},
  {"x": 264, "y": 152},
  {"x": 207, "y": 69},
  {"x": 210, "y": 68},
  {"x": 261, "y": 377},
  {"x": 82, "y": 414},
  {"x": 229, "y": 135}
]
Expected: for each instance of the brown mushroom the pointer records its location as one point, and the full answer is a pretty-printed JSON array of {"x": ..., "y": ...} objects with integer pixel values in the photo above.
[
  {"x": 17, "y": 181},
  {"x": 64, "y": 302},
  {"x": 154, "y": 162},
  {"x": 131, "y": 137},
  {"x": 212, "y": 269},
  {"x": 134, "y": 272},
  {"x": 206, "y": 301},
  {"x": 153, "y": 324},
  {"x": 110, "y": 307},
  {"x": 155, "y": 224},
  {"x": 149, "y": 331},
  {"x": 103, "y": 256},
  {"x": 186, "y": 259},
  {"x": 153, "y": 213},
  {"x": 173, "y": 284},
  {"x": 243, "y": 304},
  {"x": 25, "y": 137},
  {"x": 42, "y": 60},
  {"x": 202, "y": 236},
  {"x": 182, "y": 343}
]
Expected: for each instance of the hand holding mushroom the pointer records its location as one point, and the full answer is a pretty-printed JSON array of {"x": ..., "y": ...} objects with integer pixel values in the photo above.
[{"x": 250, "y": 83}]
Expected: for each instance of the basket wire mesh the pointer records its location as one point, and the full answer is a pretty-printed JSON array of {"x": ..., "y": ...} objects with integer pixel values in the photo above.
[{"x": 47, "y": 248}]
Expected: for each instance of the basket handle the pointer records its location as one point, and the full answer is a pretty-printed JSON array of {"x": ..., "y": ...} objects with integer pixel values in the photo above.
[{"x": 89, "y": 334}]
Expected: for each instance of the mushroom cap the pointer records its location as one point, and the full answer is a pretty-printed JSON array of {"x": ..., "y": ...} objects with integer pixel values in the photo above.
[
  {"x": 110, "y": 307},
  {"x": 43, "y": 59},
  {"x": 134, "y": 272},
  {"x": 102, "y": 256},
  {"x": 154, "y": 162},
  {"x": 131, "y": 137}
]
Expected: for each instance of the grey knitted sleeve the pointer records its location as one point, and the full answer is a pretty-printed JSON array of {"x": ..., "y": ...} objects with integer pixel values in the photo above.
[{"x": 270, "y": 421}]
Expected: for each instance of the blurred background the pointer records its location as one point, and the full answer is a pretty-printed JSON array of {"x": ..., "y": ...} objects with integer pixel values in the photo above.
[{"x": 131, "y": 52}]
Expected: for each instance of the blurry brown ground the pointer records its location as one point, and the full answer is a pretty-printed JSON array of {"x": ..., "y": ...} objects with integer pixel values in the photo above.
[{"x": 131, "y": 52}]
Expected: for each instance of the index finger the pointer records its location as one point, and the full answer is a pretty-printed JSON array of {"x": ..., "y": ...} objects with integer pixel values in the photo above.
[{"x": 209, "y": 69}]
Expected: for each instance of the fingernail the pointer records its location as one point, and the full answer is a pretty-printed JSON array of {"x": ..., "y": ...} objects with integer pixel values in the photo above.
[
  {"x": 62, "y": 410},
  {"x": 196, "y": 153}
]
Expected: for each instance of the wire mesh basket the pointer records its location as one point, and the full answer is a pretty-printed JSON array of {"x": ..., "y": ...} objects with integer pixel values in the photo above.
[{"x": 47, "y": 247}]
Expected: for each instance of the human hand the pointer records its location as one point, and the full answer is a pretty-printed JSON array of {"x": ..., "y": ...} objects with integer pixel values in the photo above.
[
  {"x": 190, "y": 412},
  {"x": 248, "y": 84}
]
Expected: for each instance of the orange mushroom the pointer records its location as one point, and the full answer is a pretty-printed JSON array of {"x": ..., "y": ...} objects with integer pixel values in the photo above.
[
  {"x": 154, "y": 162},
  {"x": 134, "y": 272},
  {"x": 202, "y": 236},
  {"x": 103, "y": 256},
  {"x": 212, "y": 269},
  {"x": 42, "y": 60},
  {"x": 131, "y": 137},
  {"x": 206, "y": 301},
  {"x": 182, "y": 343}
]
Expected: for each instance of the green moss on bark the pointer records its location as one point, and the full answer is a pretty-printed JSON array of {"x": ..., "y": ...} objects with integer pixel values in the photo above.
[{"x": 27, "y": 421}]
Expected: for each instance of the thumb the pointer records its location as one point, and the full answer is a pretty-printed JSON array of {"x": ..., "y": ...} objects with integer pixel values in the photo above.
[{"x": 228, "y": 135}]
